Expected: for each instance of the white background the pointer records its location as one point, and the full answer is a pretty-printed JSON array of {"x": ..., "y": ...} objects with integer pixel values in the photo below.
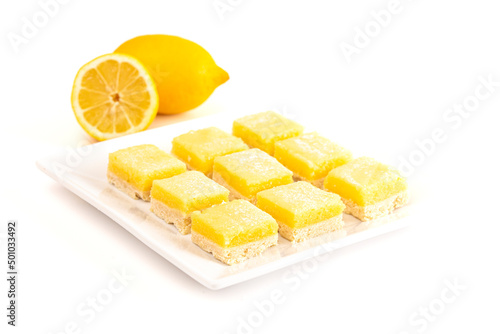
[{"x": 283, "y": 55}]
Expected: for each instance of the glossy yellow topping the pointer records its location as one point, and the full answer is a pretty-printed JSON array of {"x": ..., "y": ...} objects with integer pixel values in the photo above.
[
  {"x": 300, "y": 204},
  {"x": 199, "y": 148},
  {"x": 251, "y": 171},
  {"x": 233, "y": 224},
  {"x": 140, "y": 165},
  {"x": 310, "y": 155},
  {"x": 189, "y": 191},
  {"x": 262, "y": 130},
  {"x": 365, "y": 181}
]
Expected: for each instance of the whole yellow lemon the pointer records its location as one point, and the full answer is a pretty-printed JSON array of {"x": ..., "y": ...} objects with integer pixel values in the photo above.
[{"x": 185, "y": 73}]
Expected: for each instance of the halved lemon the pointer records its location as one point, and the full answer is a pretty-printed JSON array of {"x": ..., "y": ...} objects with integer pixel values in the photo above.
[{"x": 114, "y": 95}]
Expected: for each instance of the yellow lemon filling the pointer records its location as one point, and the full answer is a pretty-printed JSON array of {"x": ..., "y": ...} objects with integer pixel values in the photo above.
[
  {"x": 233, "y": 224},
  {"x": 140, "y": 165},
  {"x": 300, "y": 204},
  {"x": 251, "y": 171},
  {"x": 199, "y": 148},
  {"x": 365, "y": 181},
  {"x": 262, "y": 130},
  {"x": 189, "y": 191},
  {"x": 310, "y": 155}
]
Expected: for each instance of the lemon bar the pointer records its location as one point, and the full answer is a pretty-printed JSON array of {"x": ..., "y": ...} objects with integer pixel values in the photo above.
[
  {"x": 175, "y": 198},
  {"x": 302, "y": 210},
  {"x": 247, "y": 172},
  {"x": 233, "y": 231},
  {"x": 368, "y": 188},
  {"x": 199, "y": 148},
  {"x": 262, "y": 130},
  {"x": 133, "y": 169},
  {"x": 310, "y": 157}
]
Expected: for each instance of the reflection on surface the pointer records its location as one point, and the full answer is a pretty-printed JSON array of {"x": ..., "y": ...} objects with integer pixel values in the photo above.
[
  {"x": 353, "y": 225},
  {"x": 292, "y": 248},
  {"x": 135, "y": 216},
  {"x": 317, "y": 246}
]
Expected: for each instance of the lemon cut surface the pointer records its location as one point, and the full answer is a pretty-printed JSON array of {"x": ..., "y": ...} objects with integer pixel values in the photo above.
[{"x": 114, "y": 95}]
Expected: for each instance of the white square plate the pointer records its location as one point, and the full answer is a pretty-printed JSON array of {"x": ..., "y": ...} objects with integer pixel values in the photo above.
[{"x": 83, "y": 172}]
